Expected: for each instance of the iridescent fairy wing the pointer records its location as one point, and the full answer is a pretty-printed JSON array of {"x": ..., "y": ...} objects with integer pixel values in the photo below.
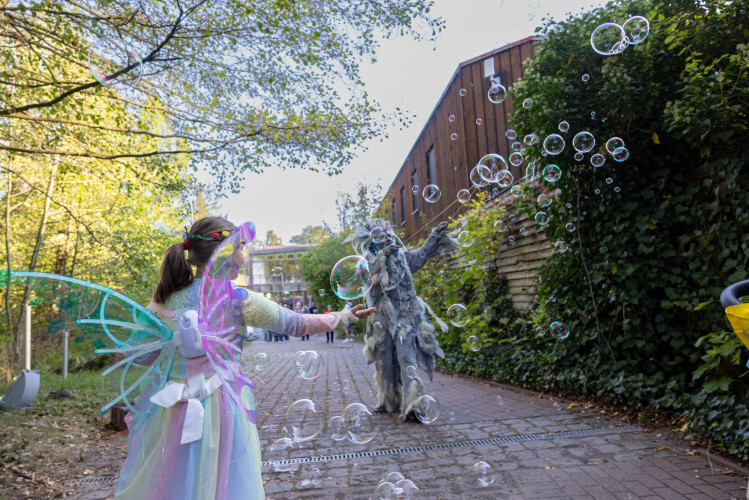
[
  {"x": 109, "y": 329},
  {"x": 220, "y": 315}
]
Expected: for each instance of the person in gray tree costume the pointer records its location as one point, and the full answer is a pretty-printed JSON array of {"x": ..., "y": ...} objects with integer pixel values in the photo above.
[{"x": 399, "y": 334}]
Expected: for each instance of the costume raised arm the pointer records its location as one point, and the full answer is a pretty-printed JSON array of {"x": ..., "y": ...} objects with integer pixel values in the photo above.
[
  {"x": 261, "y": 312},
  {"x": 437, "y": 242}
]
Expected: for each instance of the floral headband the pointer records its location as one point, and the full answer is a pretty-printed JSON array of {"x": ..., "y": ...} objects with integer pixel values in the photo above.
[{"x": 187, "y": 237}]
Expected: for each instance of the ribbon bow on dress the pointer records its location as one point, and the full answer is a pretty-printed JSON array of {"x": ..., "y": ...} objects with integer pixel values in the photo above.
[{"x": 196, "y": 390}]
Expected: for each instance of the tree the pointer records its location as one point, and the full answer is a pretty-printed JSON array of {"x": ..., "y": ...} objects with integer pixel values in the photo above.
[
  {"x": 240, "y": 83},
  {"x": 311, "y": 235},
  {"x": 315, "y": 266},
  {"x": 272, "y": 239},
  {"x": 353, "y": 210}
]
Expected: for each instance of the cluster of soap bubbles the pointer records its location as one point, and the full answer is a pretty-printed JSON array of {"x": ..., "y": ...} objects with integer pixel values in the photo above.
[
  {"x": 610, "y": 38},
  {"x": 395, "y": 486},
  {"x": 350, "y": 277}
]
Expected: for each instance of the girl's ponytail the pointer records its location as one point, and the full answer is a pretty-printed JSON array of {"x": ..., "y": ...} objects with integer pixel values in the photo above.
[{"x": 176, "y": 273}]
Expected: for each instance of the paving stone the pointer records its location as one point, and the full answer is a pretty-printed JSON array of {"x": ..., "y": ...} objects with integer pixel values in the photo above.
[{"x": 620, "y": 466}]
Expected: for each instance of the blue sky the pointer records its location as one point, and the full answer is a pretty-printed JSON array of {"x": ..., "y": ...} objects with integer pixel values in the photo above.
[{"x": 410, "y": 74}]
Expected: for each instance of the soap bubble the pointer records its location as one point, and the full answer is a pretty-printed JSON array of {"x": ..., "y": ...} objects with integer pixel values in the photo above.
[
  {"x": 451, "y": 118},
  {"x": 540, "y": 332},
  {"x": 432, "y": 193},
  {"x": 495, "y": 163},
  {"x": 500, "y": 226},
  {"x": 583, "y": 142},
  {"x": 480, "y": 176},
  {"x": 511, "y": 134},
  {"x": 597, "y": 160},
  {"x": 554, "y": 144},
  {"x": 579, "y": 156},
  {"x": 280, "y": 451},
  {"x": 511, "y": 239},
  {"x": 321, "y": 292},
  {"x": 457, "y": 315},
  {"x": 636, "y": 29},
  {"x": 552, "y": 173},
  {"x": 350, "y": 277},
  {"x": 411, "y": 371},
  {"x": 617, "y": 189},
  {"x": 561, "y": 246},
  {"x": 516, "y": 159},
  {"x": 405, "y": 488},
  {"x": 465, "y": 239},
  {"x": 614, "y": 143},
  {"x": 309, "y": 365},
  {"x": 107, "y": 57},
  {"x": 276, "y": 271},
  {"x": 607, "y": 39},
  {"x": 378, "y": 235},
  {"x": 312, "y": 480},
  {"x": 385, "y": 490},
  {"x": 512, "y": 217},
  {"x": 559, "y": 330},
  {"x": 620, "y": 154},
  {"x": 570, "y": 227},
  {"x": 474, "y": 343},
  {"x": 522, "y": 232},
  {"x": 528, "y": 103},
  {"x": 479, "y": 121},
  {"x": 337, "y": 428},
  {"x": 463, "y": 92},
  {"x": 305, "y": 422},
  {"x": 451, "y": 416},
  {"x": 500, "y": 401},
  {"x": 497, "y": 94},
  {"x": 415, "y": 189},
  {"x": 516, "y": 146},
  {"x": 564, "y": 126},
  {"x": 542, "y": 218},
  {"x": 530, "y": 139},
  {"x": 586, "y": 77},
  {"x": 454, "y": 136},
  {"x": 484, "y": 474},
  {"x": 597, "y": 191},
  {"x": 609, "y": 180},
  {"x": 464, "y": 196},
  {"x": 516, "y": 191},
  {"x": 261, "y": 361},
  {"x": 360, "y": 424},
  {"x": 544, "y": 200},
  {"x": 427, "y": 409},
  {"x": 593, "y": 115}
]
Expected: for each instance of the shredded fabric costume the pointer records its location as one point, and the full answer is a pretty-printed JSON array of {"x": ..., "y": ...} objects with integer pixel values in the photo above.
[
  {"x": 399, "y": 334},
  {"x": 197, "y": 444}
]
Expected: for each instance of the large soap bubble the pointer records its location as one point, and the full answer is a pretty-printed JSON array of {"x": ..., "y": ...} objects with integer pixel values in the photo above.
[
  {"x": 464, "y": 196},
  {"x": 304, "y": 420},
  {"x": 608, "y": 39},
  {"x": 427, "y": 409},
  {"x": 495, "y": 163},
  {"x": 350, "y": 278},
  {"x": 309, "y": 365},
  {"x": 484, "y": 474},
  {"x": 457, "y": 315},
  {"x": 361, "y": 427},
  {"x": 497, "y": 94},
  {"x": 583, "y": 142},
  {"x": 279, "y": 453},
  {"x": 552, "y": 173},
  {"x": 480, "y": 176},
  {"x": 554, "y": 144},
  {"x": 504, "y": 178},
  {"x": 636, "y": 29},
  {"x": 432, "y": 193}
]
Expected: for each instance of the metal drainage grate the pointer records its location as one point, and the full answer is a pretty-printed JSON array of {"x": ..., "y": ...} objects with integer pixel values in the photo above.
[
  {"x": 93, "y": 480},
  {"x": 462, "y": 444}
]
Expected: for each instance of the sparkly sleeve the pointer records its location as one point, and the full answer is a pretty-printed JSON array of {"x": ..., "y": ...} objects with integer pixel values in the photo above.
[{"x": 263, "y": 313}]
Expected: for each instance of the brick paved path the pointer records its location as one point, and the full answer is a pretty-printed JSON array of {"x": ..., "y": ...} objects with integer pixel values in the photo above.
[{"x": 532, "y": 461}]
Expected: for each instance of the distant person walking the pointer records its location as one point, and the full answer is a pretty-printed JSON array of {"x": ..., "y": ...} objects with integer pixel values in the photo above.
[{"x": 329, "y": 336}]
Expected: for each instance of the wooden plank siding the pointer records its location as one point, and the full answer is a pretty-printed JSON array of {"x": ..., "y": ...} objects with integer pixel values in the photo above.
[{"x": 454, "y": 160}]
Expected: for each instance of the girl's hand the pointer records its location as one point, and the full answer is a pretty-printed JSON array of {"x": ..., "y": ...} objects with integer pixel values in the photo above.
[{"x": 362, "y": 313}]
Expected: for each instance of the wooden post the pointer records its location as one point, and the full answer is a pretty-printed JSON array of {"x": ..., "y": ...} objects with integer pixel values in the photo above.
[{"x": 27, "y": 315}]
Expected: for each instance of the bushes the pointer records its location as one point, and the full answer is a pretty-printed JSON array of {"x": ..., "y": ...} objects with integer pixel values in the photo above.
[{"x": 644, "y": 256}]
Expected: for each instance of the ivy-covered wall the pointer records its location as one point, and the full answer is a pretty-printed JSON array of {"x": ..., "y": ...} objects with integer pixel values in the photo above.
[{"x": 638, "y": 289}]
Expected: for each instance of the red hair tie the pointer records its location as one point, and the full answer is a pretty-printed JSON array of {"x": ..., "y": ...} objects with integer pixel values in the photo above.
[{"x": 187, "y": 245}]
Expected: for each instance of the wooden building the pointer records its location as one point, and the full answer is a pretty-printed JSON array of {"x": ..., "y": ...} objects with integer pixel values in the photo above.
[{"x": 446, "y": 149}]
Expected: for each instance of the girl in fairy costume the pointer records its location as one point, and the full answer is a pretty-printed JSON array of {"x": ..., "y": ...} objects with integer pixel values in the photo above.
[{"x": 197, "y": 443}]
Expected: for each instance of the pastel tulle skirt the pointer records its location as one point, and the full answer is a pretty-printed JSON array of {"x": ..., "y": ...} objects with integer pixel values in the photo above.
[{"x": 223, "y": 464}]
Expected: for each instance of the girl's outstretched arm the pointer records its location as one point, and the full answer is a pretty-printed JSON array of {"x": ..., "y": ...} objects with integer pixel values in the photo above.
[{"x": 261, "y": 312}]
